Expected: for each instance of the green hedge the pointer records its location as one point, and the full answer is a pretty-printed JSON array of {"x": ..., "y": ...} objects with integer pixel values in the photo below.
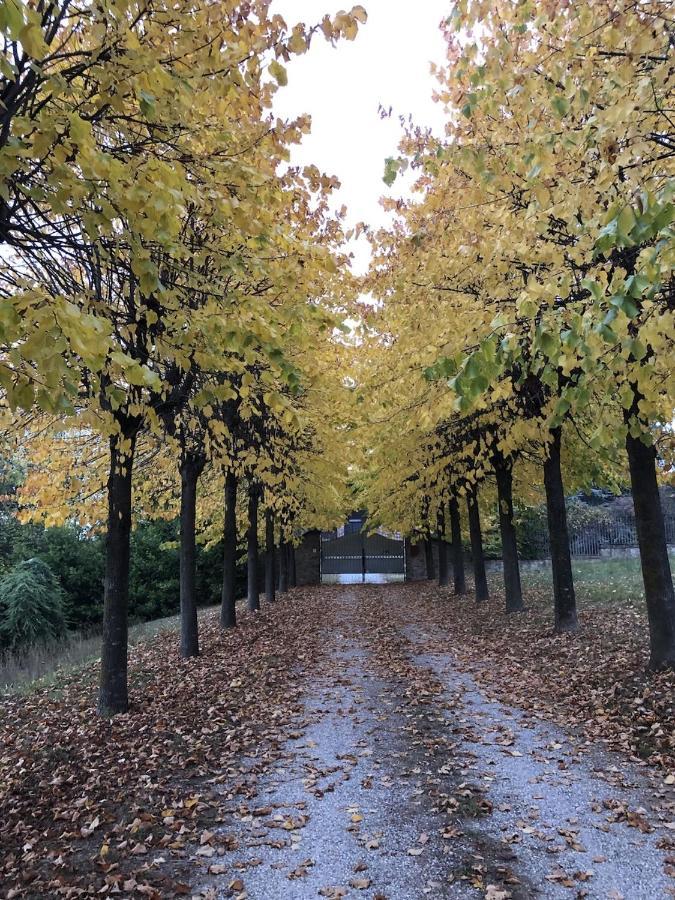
[
  {"x": 32, "y": 605},
  {"x": 76, "y": 559}
]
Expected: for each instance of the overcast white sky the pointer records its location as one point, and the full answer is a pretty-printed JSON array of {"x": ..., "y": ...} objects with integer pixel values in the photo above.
[{"x": 341, "y": 88}]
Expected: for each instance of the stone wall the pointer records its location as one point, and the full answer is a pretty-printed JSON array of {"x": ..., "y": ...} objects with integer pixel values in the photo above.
[
  {"x": 308, "y": 559},
  {"x": 416, "y": 560}
]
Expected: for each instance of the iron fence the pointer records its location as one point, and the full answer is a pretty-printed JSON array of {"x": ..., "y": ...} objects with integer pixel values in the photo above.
[{"x": 615, "y": 533}]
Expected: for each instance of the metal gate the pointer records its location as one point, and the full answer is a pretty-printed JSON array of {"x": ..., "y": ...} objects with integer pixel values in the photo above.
[{"x": 357, "y": 557}]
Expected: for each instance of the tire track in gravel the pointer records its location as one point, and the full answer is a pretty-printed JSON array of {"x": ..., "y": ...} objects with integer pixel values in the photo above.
[{"x": 400, "y": 780}]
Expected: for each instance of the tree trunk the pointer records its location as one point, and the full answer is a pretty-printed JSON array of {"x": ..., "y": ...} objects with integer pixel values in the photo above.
[
  {"x": 113, "y": 695},
  {"x": 270, "y": 587},
  {"x": 512, "y": 588},
  {"x": 477, "y": 557},
  {"x": 283, "y": 567},
  {"x": 190, "y": 471},
  {"x": 292, "y": 572},
  {"x": 459, "y": 578},
  {"x": 651, "y": 535},
  {"x": 228, "y": 609},
  {"x": 429, "y": 558},
  {"x": 564, "y": 600},
  {"x": 252, "y": 541},
  {"x": 443, "y": 575}
]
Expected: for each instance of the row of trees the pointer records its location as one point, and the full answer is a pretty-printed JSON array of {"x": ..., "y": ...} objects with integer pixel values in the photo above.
[
  {"x": 526, "y": 296},
  {"x": 170, "y": 283}
]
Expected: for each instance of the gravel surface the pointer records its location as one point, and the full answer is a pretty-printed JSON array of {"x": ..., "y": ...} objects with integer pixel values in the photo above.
[
  {"x": 402, "y": 780},
  {"x": 558, "y": 804}
]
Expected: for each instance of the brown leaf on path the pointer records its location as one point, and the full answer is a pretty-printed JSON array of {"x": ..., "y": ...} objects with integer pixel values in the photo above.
[
  {"x": 583, "y": 876},
  {"x": 560, "y": 876},
  {"x": 492, "y": 892},
  {"x": 217, "y": 869},
  {"x": 333, "y": 892}
]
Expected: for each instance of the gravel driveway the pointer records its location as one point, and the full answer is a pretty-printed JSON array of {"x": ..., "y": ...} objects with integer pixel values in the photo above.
[{"x": 400, "y": 779}]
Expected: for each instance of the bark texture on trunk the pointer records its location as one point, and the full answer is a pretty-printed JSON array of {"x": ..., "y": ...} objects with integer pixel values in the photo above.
[
  {"x": 429, "y": 559},
  {"x": 283, "y": 567},
  {"x": 228, "y": 609},
  {"x": 651, "y": 534},
  {"x": 443, "y": 572},
  {"x": 512, "y": 588},
  {"x": 190, "y": 471},
  {"x": 113, "y": 692},
  {"x": 292, "y": 569},
  {"x": 459, "y": 578},
  {"x": 564, "y": 599},
  {"x": 252, "y": 547},
  {"x": 270, "y": 583},
  {"x": 477, "y": 556}
]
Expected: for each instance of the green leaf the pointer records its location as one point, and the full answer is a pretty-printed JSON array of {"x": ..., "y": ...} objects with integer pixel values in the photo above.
[
  {"x": 23, "y": 394},
  {"x": 636, "y": 285},
  {"x": 549, "y": 344},
  {"x": 607, "y": 334},
  {"x": 560, "y": 105},
  {"x": 479, "y": 384},
  {"x": 624, "y": 225},
  {"x": 625, "y": 304},
  {"x": 473, "y": 366},
  {"x": 664, "y": 217},
  {"x": 626, "y": 396},
  {"x": 391, "y": 167},
  {"x": 562, "y": 406},
  {"x": 637, "y": 349},
  {"x": 147, "y": 104},
  {"x": 569, "y": 338},
  {"x": 607, "y": 237},
  {"x": 449, "y": 367},
  {"x": 278, "y": 72},
  {"x": 595, "y": 289},
  {"x": 11, "y": 17}
]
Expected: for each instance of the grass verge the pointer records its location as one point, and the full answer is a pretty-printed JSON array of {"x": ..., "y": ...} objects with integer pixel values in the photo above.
[{"x": 45, "y": 664}]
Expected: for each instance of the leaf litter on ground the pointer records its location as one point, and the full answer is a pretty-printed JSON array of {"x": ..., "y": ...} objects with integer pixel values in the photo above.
[{"x": 132, "y": 804}]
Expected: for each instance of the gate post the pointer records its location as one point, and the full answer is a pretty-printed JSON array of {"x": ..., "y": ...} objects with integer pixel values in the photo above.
[{"x": 363, "y": 560}]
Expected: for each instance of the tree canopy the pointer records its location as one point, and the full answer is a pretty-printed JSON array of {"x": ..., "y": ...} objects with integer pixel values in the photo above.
[{"x": 181, "y": 333}]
